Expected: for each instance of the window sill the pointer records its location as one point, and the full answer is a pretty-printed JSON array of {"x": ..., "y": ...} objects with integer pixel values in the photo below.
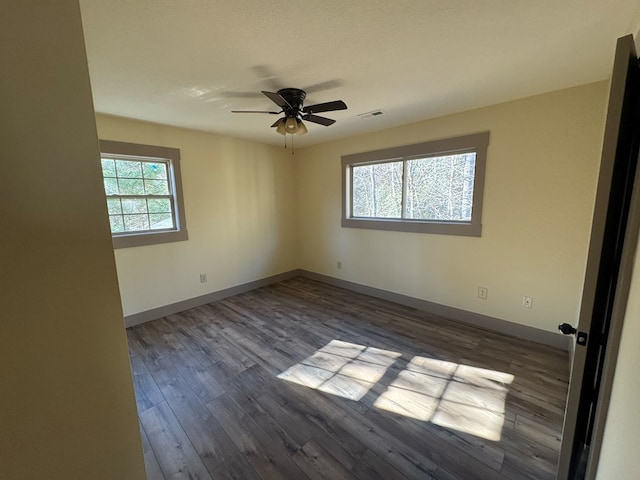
[
  {"x": 415, "y": 226},
  {"x": 148, "y": 238}
]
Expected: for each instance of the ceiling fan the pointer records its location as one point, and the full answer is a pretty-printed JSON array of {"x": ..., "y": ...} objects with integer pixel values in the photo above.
[{"x": 291, "y": 100}]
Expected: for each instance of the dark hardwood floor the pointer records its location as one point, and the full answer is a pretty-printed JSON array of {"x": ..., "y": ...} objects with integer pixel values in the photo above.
[{"x": 302, "y": 380}]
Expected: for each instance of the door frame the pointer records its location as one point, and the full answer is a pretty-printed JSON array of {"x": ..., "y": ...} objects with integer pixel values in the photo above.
[
  {"x": 625, "y": 59},
  {"x": 615, "y": 331},
  {"x": 625, "y": 274}
]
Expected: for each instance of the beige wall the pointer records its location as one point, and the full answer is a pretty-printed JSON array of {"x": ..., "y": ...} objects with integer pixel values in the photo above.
[
  {"x": 241, "y": 216},
  {"x": 67, "y": 409},
  {"x": 541, "y": 175},
  {"x": 620, "y": 443}
]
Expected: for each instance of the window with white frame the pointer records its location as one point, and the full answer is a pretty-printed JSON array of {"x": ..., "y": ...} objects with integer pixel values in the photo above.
[
  {"x": 143, "y": 189},
  {"x": 432, "y": 187}
]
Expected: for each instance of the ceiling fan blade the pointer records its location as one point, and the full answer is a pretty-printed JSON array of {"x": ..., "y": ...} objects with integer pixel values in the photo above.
[
  {"x": 266, "y": 74},
  {"x": 277, "y": 99},
  {"x": 239, "y": 95},
  {"x": 275, "y": 124},
  {"x": 318, "y": 87},
  {"x": 254, "y": 111},
  {"x": 325, "y": 107},
  {"x": 321, "y": 120}
]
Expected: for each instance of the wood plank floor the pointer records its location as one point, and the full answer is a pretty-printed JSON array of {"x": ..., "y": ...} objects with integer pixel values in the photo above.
[{"x": 302, "y": 380}]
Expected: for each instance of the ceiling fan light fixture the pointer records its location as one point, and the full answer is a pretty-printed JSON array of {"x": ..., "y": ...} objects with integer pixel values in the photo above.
[
  {"x": 291, "y": 125},
  {"x": 281, "y": 129},
  {"x": 302, "y": 128}
]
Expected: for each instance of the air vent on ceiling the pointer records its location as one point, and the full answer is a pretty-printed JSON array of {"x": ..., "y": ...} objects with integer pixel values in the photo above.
[{"x": 373, "y": 113}]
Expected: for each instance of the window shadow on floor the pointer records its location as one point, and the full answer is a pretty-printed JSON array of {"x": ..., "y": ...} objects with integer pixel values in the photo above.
[{"x": 454, "y": 396}]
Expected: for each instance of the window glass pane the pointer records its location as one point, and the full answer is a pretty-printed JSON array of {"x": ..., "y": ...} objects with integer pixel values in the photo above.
[
  {"x": 159, "y": 205},
  {"x": 128, "y": 169},
  {"x": 134, "y": 223},
  {"x": 108, "y": 168},
  {"x": 111, "y": 186},
  {"x": 113, "y": 204},
  {"x": 131, "y": 187},
  {"x": 134, "y": 205},
  {"x": 142, "y": 193},
  {"x": 161, "y": 221},
  {"x": 117, "y": 224},
  {"x": 377, "y": 190},
  {"x": 154, "y": 170},
  {"x": 440, "y": 188},
  {"x": 156, "y": 187}
]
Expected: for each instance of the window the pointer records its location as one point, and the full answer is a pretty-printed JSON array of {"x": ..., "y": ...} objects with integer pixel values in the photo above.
[
  {"x": 432, "y": 187},
  {"x": 142, "y": 184}
]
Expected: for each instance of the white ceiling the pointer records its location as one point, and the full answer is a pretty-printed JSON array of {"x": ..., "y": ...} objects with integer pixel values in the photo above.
[{"x": 189, "y": 63}]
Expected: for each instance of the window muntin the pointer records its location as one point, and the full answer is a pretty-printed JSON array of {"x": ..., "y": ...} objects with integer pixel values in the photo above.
[
  {"x": 433, "y": 187},
  {"x": 139, "y": 196},
  {"x": 143, "y": 193}
]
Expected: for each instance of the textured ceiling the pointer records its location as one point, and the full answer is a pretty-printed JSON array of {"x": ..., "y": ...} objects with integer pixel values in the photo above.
[{"x": 190, "y": 63}]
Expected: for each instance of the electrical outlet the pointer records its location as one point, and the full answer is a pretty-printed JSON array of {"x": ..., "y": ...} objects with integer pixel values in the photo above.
[
  {"x": 527, "y": 302},
  {"x": 339, "y": 264},
  {"x": 203, "y": 278},
  {"x": 483, "y": 292}
]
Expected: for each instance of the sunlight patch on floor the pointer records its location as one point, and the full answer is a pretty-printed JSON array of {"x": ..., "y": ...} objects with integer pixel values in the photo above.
[
  {"x": 460, "y": 397},
  {"x": 342, "y": 368},
  {"x": 454, "y": 396}
]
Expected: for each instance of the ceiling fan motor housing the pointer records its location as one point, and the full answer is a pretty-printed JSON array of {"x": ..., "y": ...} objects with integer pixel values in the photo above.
[{"x": 294, "y": 97}]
